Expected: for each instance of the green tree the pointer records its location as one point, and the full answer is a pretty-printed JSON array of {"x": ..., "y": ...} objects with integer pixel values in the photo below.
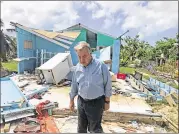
[
  {"x": 8, "y": 45},
  {"x": 168, "y": 47},
  {"x": 1, "y": 23},
  {"x": 135, "y": 48}
]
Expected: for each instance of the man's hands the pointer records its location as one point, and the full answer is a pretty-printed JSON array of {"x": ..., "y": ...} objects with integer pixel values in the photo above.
[
  {"x": 107, "y": 103},
  {"x": 72, "y": 105},
  {"x": 106, "y": 106}
]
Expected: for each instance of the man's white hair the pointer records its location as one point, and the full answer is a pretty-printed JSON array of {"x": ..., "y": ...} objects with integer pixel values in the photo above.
[{"x": 83, "y": 45}]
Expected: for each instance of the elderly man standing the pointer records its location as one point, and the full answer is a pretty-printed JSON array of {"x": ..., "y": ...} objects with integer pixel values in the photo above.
[{"x": 92, "y": 83}]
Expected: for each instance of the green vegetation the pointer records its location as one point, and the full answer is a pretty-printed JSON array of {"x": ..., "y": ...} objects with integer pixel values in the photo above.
[
  {"x": 139, "y": 54},
  {"x": 134, "y": 48},
  {"x": 127, "y": 70},
  {"x": 10, "y": 65},
  {"x": 146, "y": 74}
]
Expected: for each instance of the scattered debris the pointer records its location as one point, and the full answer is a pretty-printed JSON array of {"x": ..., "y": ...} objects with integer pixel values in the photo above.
[
  {"x": 64, "y": 83},
  {"x": 47, "y": 122},
  {"x": 176, "y": 82},
  {"x": 7, "y": 127},
  {"x": 172, "y": 123},
  {"x": 170, "y": 100},
  {"x": 14, "y": 105},
  {"x": 22, "y": 84},
  {"x": 149, "y": 129},
  {"x": 135, "y": 124},
  {"x": 133, "y": 107},
  {"x": 30, "y": 125}
]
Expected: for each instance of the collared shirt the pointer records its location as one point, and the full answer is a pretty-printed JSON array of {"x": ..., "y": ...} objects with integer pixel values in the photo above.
[{"x": 92, "y": 81}]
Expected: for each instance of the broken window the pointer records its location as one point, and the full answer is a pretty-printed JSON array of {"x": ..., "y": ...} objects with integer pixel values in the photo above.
[{"x": 27, "y": 44}]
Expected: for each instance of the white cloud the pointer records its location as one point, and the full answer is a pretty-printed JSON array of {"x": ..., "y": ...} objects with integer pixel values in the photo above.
[
  {"x": 38, "y": 14},
  {"x": 98, "y": 14},
  {"x": 108, "y": 23},
  {"x": 91, "y": 5},
  {"x": 118, "y": 20},
  {"x": 107, "y": 9},
  {"x": 156, "y": 16}
]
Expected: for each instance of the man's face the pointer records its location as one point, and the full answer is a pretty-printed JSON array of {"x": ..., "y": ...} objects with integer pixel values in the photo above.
[{"x": 84, "y": 57}]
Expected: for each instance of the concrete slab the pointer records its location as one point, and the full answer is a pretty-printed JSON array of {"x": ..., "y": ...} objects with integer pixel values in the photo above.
[{"x": 119, "y": 103}]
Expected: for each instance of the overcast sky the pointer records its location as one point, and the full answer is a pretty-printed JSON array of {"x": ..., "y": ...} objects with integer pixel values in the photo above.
[{"x": 152, "y": 20}]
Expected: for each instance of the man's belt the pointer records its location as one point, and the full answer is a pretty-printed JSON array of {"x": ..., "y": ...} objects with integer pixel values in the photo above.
[{"x": 88, "y": 100}]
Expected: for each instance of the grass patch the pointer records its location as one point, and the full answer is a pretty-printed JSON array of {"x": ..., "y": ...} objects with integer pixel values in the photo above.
[
  {"x": 10, "y": 65},
  {"x": 127, "y": 70},
  {"x": 143, "y": 71},
  {"x": 146, "y": 77}
]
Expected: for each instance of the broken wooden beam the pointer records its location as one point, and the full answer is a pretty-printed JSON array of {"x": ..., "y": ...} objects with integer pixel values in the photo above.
[
  {"x": 175, "y": 127},
  {"x": 170, "y": 100},
  {"x": 175, "y": 95},
  {"x": 110, "y": 114}
]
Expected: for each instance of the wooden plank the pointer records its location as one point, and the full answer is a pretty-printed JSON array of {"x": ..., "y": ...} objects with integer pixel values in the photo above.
[
  {"x": 176, "y": 82},
  {"x": 175, "y": 95},
  {"x": 170, "y": 100},
  {"x": 7, "y": 127},
  {"x": 171, "y": 122},
  {"x": 162, "y": 93},
  {"x": 2, "y": 130}
]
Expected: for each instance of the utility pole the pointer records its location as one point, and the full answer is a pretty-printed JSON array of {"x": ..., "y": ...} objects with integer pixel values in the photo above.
[
  {"x": 119, "y": 38},
  {"x": 122, "y": 34}
]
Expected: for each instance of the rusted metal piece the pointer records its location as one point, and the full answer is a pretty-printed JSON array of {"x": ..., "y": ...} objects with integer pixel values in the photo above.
[
  {"x": 47, "y": 122},
  {"x": 48, "y": 125},
  {"x": 29, "y": 125}
]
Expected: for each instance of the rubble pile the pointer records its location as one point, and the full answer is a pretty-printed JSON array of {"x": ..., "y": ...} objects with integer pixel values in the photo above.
[{"x": 51, "y": 111}]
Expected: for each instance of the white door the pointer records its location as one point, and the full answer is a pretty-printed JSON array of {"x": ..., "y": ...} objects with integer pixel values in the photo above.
[{"x": 48, "y": 76}]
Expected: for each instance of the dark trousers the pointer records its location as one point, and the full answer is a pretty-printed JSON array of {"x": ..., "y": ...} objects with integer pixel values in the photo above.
[{"x": 90, "y": 115}]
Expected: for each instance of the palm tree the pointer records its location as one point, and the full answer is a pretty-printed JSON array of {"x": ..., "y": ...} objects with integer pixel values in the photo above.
[
  {"x": 8, "y": 46},
  {"x": 1, "y": 23}
]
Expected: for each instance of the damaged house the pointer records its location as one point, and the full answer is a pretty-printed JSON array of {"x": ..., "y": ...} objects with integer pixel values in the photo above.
[{"x": 35, "y": 47}]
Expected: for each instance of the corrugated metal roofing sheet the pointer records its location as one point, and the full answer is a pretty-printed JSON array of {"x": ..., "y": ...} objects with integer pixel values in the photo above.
[
  {"x": 52, "y": 35},
  {"x": 47, "y": 34},
  {"x": 70, "y": 34},
  {"x": 67, "y": 37}
]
